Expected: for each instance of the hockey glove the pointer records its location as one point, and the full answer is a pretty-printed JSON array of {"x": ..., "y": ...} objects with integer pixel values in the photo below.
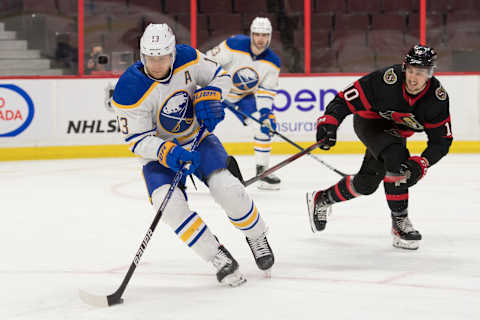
[
  {"x": 414, "y": 169},
  {"x": 208, "y": 106},
  {"x": 173, "y": 156},
  {"x": 327, "y": 131},
  {"x": 268, "y": 121}
]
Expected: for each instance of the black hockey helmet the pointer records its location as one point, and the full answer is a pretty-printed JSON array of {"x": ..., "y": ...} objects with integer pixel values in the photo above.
[{"x": 421, "y": 56}]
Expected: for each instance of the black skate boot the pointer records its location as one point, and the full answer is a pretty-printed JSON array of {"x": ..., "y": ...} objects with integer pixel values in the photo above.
[
  {"x": 227, "y": 268},
  {"x": 262, "y": 253},
  {"x": 319, "y": 207},
  {"x": 270, "y": 182},
  {"x": 404, "y": 235}
]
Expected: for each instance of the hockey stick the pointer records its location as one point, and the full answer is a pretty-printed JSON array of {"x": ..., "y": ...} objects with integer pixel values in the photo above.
[
  {"x": 235, "y": 170},
  {"x": 116, "y": 297},
  {"x": 234, "y": 109}
]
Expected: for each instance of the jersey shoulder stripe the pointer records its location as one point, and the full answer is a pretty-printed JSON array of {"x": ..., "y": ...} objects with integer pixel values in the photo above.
[
  {"x": 185, "y": 57},
  {"x": 270, "y": 56},
  {"x": 132, "y": 87},
  {"x": 239, "y": 43}
]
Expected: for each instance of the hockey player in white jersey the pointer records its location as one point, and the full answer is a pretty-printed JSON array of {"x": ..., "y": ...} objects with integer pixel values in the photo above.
[
  {"x": 159, "y": 110},
  {"x": 255, "y": 69}
]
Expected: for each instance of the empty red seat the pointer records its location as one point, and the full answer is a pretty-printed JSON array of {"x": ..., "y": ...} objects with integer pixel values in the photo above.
[
  {"x": 438, "y": 6},
  {"x": 231, "y": 23},
  {"x": 150, "y": 5},
  {"x": 214, "y": 6},
  {"x": 322, "y": 21},
  {"x": 321, "y": 39},
  {"x": 362, "y": 6},
  {"x": 400, "y": 6},
  {"x": 294, "y": 6},
  {"x": 324, "y": 60},
  {"x": 462, "y": 21},
  {"x": 358, "y": 22},
  {"x": 249, "y": 6},
  {"x": 464, "y": 6},
  {"x": 383, "y": 39},
  {"x": 177, "y": 6},
  {"x": 329, "y": 6},
  {"x": 389, "y": 21},
  {"x": 388, "y": 56},
  {"x": 351, "y": 37},
  {"x": 35, "y": 6},
  {"x": 356, "y": 59}
]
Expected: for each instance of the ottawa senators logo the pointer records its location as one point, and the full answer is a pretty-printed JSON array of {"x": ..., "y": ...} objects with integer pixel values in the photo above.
[
  {"x": 441, "y": 94},
  {"x": 390, "y": 77}
]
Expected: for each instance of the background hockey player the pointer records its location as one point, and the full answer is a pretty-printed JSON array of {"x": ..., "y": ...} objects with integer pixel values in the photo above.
[
  {"x": 159, "y": 110},
  {"x": 389, "y": 105},
  {"x": 255, "y": 69}
]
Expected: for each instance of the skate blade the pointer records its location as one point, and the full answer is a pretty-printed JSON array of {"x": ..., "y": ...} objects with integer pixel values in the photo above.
[
  {"x": 267, "y": 273},
  {"x": 405, "y": 244},
  {"x": 234, "y": 280},
  {"x": 268, "y": 186}
]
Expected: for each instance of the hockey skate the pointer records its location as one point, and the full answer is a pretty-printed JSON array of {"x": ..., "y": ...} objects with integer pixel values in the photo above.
[
  {"x": 319, "y": 207},
  {"x": 270, "y": 182},
  {"x": 262, "y": 253},
  {"x": 404, "y": 235},
  {"x": 227, "y": 268}
]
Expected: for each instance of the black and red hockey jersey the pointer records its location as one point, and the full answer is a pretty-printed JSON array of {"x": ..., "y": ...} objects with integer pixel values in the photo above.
[{"x": 382, "y": 95}]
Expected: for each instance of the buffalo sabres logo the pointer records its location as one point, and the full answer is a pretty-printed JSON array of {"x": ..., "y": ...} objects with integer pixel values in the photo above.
[
  {"x": 441, "y": 94},
  {"x": 245, "y": 79},
  {"x": 390, "y": 77},
  {"x": 176, "y": 113}
]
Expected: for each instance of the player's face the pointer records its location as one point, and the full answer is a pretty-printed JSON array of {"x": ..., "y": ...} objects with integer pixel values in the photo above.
[
  {"x": 158, "y": 66},
  {"x": 260, "y": 41},
  {"x": 415, "y": 79}
]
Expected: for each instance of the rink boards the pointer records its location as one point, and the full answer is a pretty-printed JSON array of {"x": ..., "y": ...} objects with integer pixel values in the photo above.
[{"x": 70, "y": 118}]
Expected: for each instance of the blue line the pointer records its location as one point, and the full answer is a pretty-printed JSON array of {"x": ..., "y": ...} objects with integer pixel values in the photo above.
[
  {"x": 198, "y": 236},
  {"x": 185, "y": 222}
]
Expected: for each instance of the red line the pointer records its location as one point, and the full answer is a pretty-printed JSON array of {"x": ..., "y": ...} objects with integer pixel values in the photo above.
[
  {"x": 81, "y": 37},
  {"x": 423, "y": 20},
  {"x": 307, "y": 44},
  {"x": 193, "y": 23}
]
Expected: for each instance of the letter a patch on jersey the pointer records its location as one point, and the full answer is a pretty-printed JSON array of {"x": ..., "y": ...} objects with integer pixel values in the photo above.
[{"x": 188, "y": 77}]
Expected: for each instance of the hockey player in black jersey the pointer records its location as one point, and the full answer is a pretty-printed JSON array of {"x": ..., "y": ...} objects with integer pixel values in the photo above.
[{"x": 388, "y": 105}]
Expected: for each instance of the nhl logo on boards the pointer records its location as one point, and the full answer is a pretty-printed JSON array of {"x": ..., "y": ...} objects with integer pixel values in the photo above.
[
  {"x": 390, "y": 77},
  {"x": 176, "y": 114},
  {"x": 441, "y": 94}
]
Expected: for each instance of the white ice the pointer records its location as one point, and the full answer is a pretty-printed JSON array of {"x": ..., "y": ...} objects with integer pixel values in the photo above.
[{"x": 76, "y": 224}]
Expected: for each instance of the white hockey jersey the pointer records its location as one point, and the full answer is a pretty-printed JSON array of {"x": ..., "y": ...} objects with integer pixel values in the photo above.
[
  {"x": 250, "y": 73},
  {"x": 151, "y": 112}
]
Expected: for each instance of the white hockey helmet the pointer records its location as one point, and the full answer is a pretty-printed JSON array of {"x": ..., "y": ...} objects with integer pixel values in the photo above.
[
  {"x": 157, "y": 40},
  {"x": 261, "y": 25}
]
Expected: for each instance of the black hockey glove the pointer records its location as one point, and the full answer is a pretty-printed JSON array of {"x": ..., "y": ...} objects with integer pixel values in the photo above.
[
  {"x": 415, "y": 168},
  {"x": 327, "y": 131}
]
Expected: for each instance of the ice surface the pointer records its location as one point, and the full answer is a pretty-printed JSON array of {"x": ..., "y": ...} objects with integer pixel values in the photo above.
[{"x": 76, "y": 224}]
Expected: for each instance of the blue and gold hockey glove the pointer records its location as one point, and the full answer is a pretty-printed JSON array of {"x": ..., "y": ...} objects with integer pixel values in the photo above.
[
  {"x": 268, "y": 121},
  {"x": 172, "y": 156},
  {"x": 209, "y": 108}
]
